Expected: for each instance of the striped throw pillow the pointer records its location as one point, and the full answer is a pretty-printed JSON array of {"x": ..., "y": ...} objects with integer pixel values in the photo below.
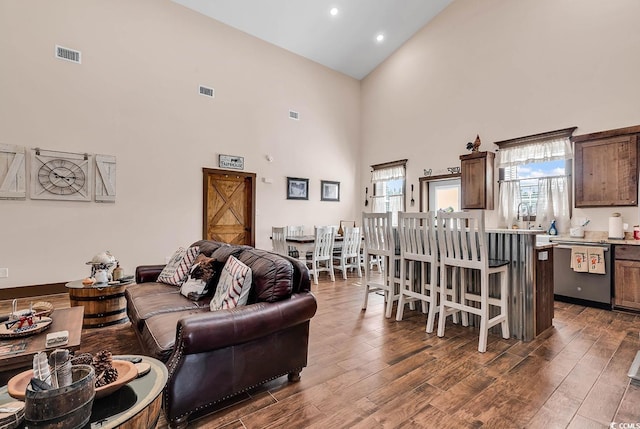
[
  {"x": 177, "y": 270},
  {"x": 233, "y": 286}
]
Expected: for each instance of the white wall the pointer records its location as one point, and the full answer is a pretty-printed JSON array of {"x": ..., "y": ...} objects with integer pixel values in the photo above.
[
  {"x": 504, "y": 69},
  {"x": 135, "y": 96}
]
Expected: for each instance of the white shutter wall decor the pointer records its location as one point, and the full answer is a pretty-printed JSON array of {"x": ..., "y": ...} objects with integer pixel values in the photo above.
[
  {"x": 12, "y": 172},
  {"x": 105, "y": 178}
]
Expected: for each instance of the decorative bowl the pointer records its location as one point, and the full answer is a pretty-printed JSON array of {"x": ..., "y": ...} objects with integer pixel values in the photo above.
[
  {"x": 127, "y": 371},
  {"x": 43, "y": 307}
]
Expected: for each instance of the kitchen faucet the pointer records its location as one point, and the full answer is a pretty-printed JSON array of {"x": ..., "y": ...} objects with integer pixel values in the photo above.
[{"x": 528, "y": 218}]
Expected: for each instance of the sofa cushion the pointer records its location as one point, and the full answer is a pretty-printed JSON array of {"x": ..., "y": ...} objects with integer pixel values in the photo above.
[
  {"x": 149, "y": 299},
  {"x": 233, "y": 286},
  {"x": 177, "y": 269},
  {"x": 272, "y": 275},
  {"x": 203, "y": 278},
  {"x": 158, "y": 333}
]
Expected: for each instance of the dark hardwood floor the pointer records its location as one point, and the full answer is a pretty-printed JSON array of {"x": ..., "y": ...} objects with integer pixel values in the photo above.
[{"x": 366, "y": 371}]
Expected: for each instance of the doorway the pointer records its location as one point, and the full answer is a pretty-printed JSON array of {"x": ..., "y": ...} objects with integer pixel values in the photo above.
[{"x": 229, "y": 206}]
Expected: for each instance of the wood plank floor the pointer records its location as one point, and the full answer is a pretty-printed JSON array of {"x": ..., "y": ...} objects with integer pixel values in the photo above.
[{"x": 366, "y": 371}]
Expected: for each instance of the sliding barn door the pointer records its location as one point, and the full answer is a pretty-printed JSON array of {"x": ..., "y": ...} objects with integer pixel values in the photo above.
[{"x": 229, "y": 206}]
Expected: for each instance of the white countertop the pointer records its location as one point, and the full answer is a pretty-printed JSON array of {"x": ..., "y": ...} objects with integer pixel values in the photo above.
[
  {"x": 515, "y": 231},
  {"x": 597, "y": 237}
]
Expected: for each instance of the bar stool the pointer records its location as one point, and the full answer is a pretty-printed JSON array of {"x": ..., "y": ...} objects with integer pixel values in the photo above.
[
  {"x": 322, "y": 258},
  {"x": 418, "y": 255},
  {"x": 462, "y": 244},
  {"x": 349, "y": 255},
  {"x": 379, "y": 241},
  {"x": 278, "y": 240}
]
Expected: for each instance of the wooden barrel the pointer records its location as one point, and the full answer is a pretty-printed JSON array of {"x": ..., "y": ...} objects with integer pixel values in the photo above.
[
  {"x": 103, "y": 306},
  {"x": 66, "y": 407}
]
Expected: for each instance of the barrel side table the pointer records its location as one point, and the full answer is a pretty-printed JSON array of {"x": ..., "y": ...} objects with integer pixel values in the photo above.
[{"x": 104, "y": 304}]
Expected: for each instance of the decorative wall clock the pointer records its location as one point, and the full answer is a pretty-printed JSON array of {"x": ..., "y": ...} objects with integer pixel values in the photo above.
[
  {"x": 12, "y": 172},
  {"x": 60, "y": 175},
  {"x": 105, "y": 178}
]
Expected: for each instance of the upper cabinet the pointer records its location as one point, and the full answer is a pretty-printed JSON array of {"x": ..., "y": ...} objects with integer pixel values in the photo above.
[
  {"x": 606, "y": 168},
  {"x": 476, "y": 180}
]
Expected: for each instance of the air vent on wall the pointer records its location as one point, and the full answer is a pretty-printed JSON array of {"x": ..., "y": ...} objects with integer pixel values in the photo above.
[
  {"x": 207, "y": 92},
  {"x": 68, "y": 54},
  {"x": 294, "y": 115}
]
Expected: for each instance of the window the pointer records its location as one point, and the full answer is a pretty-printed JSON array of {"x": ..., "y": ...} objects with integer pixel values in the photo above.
[
  {"x": 389, "y": 188},
  {"x": 440, "y": 193},
  {"x": 534, "y": 174}
]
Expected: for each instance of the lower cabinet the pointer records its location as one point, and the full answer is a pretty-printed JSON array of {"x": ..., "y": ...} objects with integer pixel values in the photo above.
[
  {"x": 544, "y": 289},
  {"x": 627, "y": 277}
]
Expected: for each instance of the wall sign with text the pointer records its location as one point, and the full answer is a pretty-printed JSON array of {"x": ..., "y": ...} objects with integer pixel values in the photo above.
[{"x": 230, "y": 161}]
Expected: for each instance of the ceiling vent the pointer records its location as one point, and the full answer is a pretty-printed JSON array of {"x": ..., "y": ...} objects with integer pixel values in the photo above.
[
  {"x": 207, "y": 92},
  {"x": 68, "y": 54},
  {"x": 294, "y": 115}
]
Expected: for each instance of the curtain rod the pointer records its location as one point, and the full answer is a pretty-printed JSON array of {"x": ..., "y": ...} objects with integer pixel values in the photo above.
[
  {"x": 531, "y": 178},
  {"x": 400, "y": 162},
  {"x": 565, "y": 132}
]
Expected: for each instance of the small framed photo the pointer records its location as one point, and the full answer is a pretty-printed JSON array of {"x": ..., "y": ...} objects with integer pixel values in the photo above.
[
  {"x": 297, "y": 189},
  {"x": 329, "y": 191}
]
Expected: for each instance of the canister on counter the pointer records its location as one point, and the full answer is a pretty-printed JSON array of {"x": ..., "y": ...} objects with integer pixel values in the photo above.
[{"x": 636, "y": 232}]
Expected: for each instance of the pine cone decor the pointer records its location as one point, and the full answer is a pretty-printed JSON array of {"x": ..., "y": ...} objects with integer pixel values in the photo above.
[
  {"x": 107, "y": 376},
  {"x": 82, "y": 359},
  {"x": 102, "y": 361}
]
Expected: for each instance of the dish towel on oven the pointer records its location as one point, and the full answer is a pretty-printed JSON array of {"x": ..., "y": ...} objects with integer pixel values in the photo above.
[
  {"x": 579, "y": 259},
  {"x": 596, "y": 260}
]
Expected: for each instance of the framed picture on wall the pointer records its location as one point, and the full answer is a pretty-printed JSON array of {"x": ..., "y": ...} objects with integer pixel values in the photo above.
[
  {"x": 329, "y": 191},
  {"x": 297, "y": 188}
]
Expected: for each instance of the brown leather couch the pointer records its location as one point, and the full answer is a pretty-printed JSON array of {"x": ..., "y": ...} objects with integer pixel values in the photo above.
[{"x": 213, "y": 355}]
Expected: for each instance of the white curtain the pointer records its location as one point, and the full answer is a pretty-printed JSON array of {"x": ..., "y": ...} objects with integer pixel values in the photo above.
[
  {"x": 380, "y": 201},
  {"x": 388, "y": 173},
  {"x": 553, "y": 202},
  {"x": 508, "y": 203},
  {"x": 549, "y": 150}
]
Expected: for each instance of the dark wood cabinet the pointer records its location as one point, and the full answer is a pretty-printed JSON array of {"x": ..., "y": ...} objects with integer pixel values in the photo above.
[
  {"x": 606, "y": 168},
  {"x": 544, "y": 289},
  {"x": 476, "y": 181},
  {"x": 627, "y": 277}
]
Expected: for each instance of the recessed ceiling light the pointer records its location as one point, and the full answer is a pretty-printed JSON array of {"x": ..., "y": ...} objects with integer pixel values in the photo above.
[
  {"x": 380, "y": 37},
  {"x": 334, "y": 11}
]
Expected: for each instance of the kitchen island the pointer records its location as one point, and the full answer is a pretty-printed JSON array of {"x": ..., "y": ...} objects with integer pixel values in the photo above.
[{"x": 530, "y": 279}]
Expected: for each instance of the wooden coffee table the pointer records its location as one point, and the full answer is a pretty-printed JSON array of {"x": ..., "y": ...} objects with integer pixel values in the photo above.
[
  {"x": 18, "y": 352},
  {"x": 136, "y": 405}
]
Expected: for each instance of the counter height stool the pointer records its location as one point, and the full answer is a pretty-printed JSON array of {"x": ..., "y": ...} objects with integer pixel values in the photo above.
[
  {"x": 278, "y": 240},
  {"x": 418, "y": 257},
  {"x": 349, "y": 255},
  {"x": 462, "y": 244},
  {"x": 379, "y": 242},
  {"x": 322, "y": 257}
]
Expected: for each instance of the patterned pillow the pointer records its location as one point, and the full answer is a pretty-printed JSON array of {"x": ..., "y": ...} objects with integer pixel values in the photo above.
[
  {"x": 233, "y": 286},
  {"x": 177, "y": 270},
  {"x": 203, "y": 278}
]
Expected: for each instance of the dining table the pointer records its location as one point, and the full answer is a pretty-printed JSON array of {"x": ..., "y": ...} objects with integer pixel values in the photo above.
[{"x": 306, "y": 243}]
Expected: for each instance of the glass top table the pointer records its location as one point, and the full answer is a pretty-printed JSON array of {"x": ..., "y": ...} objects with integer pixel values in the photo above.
[{"x": 136, "y": 405}]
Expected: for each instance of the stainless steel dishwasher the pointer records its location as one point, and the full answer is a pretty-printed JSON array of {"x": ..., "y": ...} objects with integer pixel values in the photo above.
[{"x": 583, "y": 288}]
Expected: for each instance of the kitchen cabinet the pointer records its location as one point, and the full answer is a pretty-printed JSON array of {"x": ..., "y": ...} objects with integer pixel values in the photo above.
[
  {"x": 606, "y": 168},
  {"x": 544, "y": 289},
  {"x": 476, "y": 181},
  {"x": 627, "y": 277}
]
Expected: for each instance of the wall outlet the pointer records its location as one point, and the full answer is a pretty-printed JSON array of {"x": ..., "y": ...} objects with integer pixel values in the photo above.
[{"x": 4, "y": 272}]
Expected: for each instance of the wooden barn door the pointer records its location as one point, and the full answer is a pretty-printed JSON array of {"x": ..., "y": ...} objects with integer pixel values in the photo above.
[{"x": 229, "y": 206}]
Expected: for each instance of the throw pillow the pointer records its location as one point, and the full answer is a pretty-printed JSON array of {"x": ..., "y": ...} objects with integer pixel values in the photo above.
[
  {"x": 177, "y": 270},
  {"x": 233, "y": 287}
]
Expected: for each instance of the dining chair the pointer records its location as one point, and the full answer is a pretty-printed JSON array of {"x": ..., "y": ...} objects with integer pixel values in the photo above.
[
  {"x": 418, "y": 264},
  {"x": 349, "y": 257},
  {"x": 379, "y": 241},
  {"x": 322, "y": 257},
  {"x": 294, "y": 231},
  {"x": 278, "y": 240},
  {"x": 462, "y": 244}
]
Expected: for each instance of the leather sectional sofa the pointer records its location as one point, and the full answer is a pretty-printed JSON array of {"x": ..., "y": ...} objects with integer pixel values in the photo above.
[{"x": 214, "y": 355}]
